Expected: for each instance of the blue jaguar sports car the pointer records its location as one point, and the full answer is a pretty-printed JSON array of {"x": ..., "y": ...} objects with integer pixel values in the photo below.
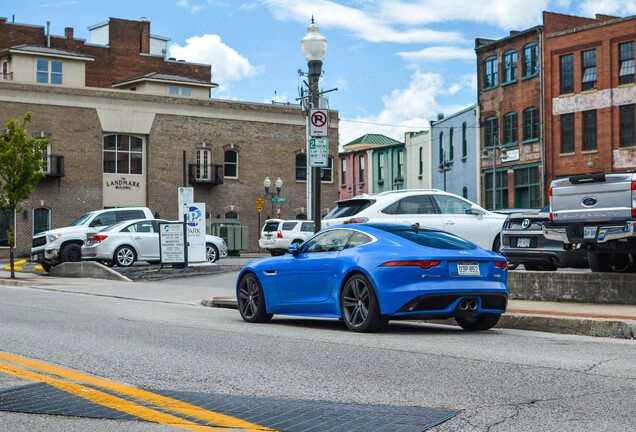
[{"x": 367, "y": 274}]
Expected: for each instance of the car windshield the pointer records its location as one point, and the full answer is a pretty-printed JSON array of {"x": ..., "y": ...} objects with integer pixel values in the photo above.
[
  {"x": 349, "y": 208},
  {"x": 82, "y": 220},
  {"x": 431, "y": 238}
]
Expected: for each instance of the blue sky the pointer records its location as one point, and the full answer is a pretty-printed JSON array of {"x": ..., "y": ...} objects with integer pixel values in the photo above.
[{"x": 396, "y": 63}]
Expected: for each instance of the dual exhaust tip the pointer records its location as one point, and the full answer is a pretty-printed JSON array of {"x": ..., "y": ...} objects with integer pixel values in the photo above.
[{"x": 468, "y": 305}]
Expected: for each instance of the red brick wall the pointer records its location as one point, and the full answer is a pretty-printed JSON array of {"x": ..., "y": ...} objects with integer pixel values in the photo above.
[
  {"x": 122, "y": 60},
  {"x": 605, "y": 39},
  {"x": 555, "y": 22}
]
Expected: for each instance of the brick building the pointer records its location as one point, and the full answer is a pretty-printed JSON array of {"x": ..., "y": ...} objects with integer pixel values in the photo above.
[
  {"x": 589, "y": 94},
  {"x": 509, "y": 100},
  {"x": 134, "y": 137}
]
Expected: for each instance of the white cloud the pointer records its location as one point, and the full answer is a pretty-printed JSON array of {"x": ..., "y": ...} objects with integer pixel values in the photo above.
[
  {"x": 227, "y": 64},
  {"x": 368, "y": 25},
  {"x": 439, "y": 53},
  {"x": 405, "y": 110},
  {"x": 608, "y": 7}
]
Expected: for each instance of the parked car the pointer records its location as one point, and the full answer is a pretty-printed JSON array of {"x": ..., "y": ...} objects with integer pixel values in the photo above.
[
  {"x": 137, "y": 240},
  {"x": 64, "y": 244},
  {"x": 524, "y": 243},
  {"x": 429, "y": 208},
  {"x": 278, "y": 234},
  {"x": 367, "y": 274}
]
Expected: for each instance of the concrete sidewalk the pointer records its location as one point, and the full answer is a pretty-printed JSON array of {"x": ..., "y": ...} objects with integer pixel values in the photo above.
[{"x": 602, "y": 320}]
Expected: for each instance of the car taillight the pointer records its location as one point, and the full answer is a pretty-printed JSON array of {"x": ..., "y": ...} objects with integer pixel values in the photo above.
[
  {"x": 98, "y": 238},
  {"x": 501, "y": 264},
  {"x": 354, "y": 221},
  {"x": 280, "y": 234},
  {"x": 425, "y": 264}
]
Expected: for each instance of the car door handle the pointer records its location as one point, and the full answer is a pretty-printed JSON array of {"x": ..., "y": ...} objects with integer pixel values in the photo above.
[
  {"x": 450, "y": 222},
  {"x": 137, "y": 238}
]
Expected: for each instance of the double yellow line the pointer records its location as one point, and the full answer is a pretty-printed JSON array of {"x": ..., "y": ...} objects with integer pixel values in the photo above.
[{"x": 108, "y": 400}]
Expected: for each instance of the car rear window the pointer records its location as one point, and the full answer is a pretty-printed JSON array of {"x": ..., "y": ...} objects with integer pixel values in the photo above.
[
  {"x": 288, "y": 226},
  {"x": 131, "y": 214},
  {"x": 270, "y": 226},
  {"x": 432, "y": 239},
  {"x": 349, "y": 208}
]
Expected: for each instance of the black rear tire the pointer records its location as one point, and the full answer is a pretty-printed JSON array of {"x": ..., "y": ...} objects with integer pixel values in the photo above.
[
  {"x": 71, "y": 253},
  {"x": 541, "y": 267},
  {"x": 359, "y": 306},
  {"x": 251, "y": 300},
  {"x": 483, "y": 321},
  {"x": 611, "y": 263}
]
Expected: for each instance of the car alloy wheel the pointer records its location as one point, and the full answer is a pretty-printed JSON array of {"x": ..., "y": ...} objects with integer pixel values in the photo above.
[
  {"x": 360, "y": 310},
  {"x": 251, "y": 301},
  {"x": 211, "y": 253},
  {"x": 124, "y": 256}
]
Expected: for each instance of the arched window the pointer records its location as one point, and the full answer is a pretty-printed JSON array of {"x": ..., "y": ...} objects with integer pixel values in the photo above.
[
  {"x": 231, "y": 165},
  {"x": 41, "y": 220},
  {"x": 301, "y": 167},
  {"x": 510, "y": 121},
  {"x": 451, "y": 151},
  {"x": 231, "y": 215}
]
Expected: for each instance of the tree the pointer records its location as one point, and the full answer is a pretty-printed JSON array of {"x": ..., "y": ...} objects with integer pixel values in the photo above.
[{"x": 22, "y": 160}]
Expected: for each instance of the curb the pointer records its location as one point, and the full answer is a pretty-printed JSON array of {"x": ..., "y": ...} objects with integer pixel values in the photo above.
[{"x": 597, "y": 327}]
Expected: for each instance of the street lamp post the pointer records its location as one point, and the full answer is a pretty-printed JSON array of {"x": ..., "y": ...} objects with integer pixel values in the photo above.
[
  {"x": 267, "y": 183},
  {"x": 496, "y": 146},
  {"x": 314, "y": 47}
]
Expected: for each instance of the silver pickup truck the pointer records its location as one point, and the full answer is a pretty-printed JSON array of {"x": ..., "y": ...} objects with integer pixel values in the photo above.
[{"x": 598, "y": 212}]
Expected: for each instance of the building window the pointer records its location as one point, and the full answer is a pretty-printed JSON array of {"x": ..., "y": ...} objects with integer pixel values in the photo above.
[
  {"x": 5, "y": 70},
  {"x": 326, "y": 173},
  {"x": 179, "y": 91},
  {"x": 361, "y": 177},
  {"x": 627, "y": 125},
  {"x": 527, "y": 187},
  {"x": 49, "y": 71},
  {"x": 400, "y": 164},
  {"x": 421, "y": 163},
  {"x": 465, "y": 192},
  {"x": 502, "y": 188},
  {"x": 123, "y": 154},
  {"x": 451, "y": 150},
  {"x": 588, "y": 82},
  {"x": 301, "y": 167},
  {"x": 5, "y": 224},
  {"x": 441, "y": 148},
  {"x": 626, "y": 67},
  {"x": 231, "y": 215},
  {"x": 464, "y": 141},
  {"x": 567, "y": 73},
  {"x": 491, "y": 132},
  {"x": 509, "y": 67},
  {"x": 381, "y": 166},
  {"x": 531, "y": 124},
  {"x": 530, "y": 61},
  {"x": 510, "y": 121},
  {"x": 567, "y": 133},
  {"x": 343, "y": 171},
  {"x": 41, "y": 220},
  {"x": 589, "y": 130},
  {"x": 230, "y": 166},
  {"x": 203, "y": 164},
  {"x": 491, "y": 74}
]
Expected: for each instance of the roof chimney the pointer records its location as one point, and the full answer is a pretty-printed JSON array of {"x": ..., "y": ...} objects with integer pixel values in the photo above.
[{"x": 48, "y": 34}]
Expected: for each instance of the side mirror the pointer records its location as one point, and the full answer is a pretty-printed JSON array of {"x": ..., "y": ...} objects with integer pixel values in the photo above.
[
  {"x": 293, "y": 249},
  {"x": 475, "y": 209}
]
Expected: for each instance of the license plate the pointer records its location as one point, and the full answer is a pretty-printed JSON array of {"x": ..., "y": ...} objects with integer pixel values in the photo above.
[
  {"x": 523, "y": 242},
  {"x": 589, "y": 232},
  {"x": 467, "y": 268}
]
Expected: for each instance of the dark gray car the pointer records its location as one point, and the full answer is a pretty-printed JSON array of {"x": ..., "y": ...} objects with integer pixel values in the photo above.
[{"x": 523, "y": 242}]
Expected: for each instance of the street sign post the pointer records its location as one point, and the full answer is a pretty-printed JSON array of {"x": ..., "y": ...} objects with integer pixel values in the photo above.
[
  {"x": 279, "y": 199},
  {"x": 318, "y": 122},
  {"x": 318, "y": 152}
]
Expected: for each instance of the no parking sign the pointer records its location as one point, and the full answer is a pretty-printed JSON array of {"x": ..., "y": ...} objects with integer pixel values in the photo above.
[{"x": 318, "y": 122}]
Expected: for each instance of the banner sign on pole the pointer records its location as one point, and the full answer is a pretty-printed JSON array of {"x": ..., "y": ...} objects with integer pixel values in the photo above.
[
  {"x": 318, "y": 122},
  {"x": 318, "y": 152}
]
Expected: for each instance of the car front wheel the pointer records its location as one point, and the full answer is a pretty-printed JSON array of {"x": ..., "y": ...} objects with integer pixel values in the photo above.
[
  {"x": 482, "y": 321},
  {"x": 251, "y": 300},
  {"x": 124, "y": 256},
  {"x": 211, "y": 253},
  {"x": 71, "y": 253},
  {"x": 359, "y": 305}
]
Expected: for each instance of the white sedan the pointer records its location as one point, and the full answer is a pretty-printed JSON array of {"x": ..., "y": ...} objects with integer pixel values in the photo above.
[{"x": 137, "y": 240}]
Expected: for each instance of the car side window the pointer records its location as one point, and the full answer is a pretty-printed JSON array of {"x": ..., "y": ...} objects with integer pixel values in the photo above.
[
  {"x": 358, "y": 239},
  {"x": 131, "y": 214},
  {"x": 329, "y": 241},
  {"x": 418, "y": 204},
  {"x": 106, "y": 218},
  {"x": 452, "y": 205},
  {"x": 307, "y": 227},
  {"x": 140, "y": 227},
  {"x": 288, "y": 226}
]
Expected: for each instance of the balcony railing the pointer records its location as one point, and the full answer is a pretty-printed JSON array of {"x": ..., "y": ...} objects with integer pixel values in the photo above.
[
  {"x": 8, "y": 76},
  {"x": 54, "y": 166},
  {"x": 205, "y": 174}
]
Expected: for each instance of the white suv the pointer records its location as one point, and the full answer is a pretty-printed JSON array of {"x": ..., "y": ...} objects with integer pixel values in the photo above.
[
  {"x": 278, "y": 234},
  {"x": 429, "y": 207}
]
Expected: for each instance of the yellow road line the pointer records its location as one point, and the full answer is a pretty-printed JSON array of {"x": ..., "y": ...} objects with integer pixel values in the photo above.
[
  {"x": 155, "y": 399},
  {"x": 108, "y": 400}
]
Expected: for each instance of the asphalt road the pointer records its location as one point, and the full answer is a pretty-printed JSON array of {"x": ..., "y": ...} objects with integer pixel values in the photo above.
[{"x": 156, "y": 335}]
